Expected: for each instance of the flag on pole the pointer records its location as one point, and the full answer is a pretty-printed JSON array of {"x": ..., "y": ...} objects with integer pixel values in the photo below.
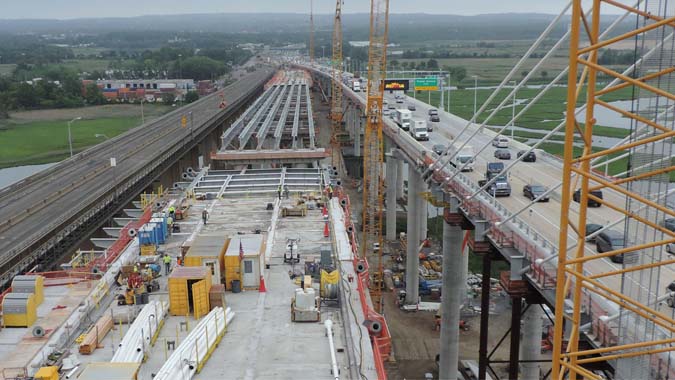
[{"x": 241, "y": 251}]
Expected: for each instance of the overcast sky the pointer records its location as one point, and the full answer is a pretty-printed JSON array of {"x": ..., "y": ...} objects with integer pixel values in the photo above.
[{"x": 67, "y": 9}]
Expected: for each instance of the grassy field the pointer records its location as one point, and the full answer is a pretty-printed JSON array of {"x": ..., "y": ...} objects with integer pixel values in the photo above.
[
  {"x": 7, "y": 69},
  {"x": 38, "y": 137},
  {"x": 88, "y": 65}
]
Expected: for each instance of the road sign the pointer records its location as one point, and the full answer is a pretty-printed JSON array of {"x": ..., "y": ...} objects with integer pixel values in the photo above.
[
  {"x": 426, "y": 84},
  {"x": 183, "y": 121},
  {"x": 396, "y": 84}
]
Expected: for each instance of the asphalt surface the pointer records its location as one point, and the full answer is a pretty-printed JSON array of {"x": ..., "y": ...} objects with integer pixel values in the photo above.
[{"x": 37, "y": 206}]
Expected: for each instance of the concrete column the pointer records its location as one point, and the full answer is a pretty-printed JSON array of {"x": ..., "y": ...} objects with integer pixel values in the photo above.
[
  {"x": 465, "y": 271},
  {"x": 399, "y": 179},
  {"x": 451, "y": 301},
  {"x": 531, "y": 344},
  {"x": 412, "y": 257},
  {"x": 357, "y": 132},
  {"x": 423, "y": 210},
  {"x": 391, "y": 177}
]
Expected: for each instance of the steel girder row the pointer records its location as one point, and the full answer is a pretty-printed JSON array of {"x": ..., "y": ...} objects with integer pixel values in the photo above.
[
  {"x": 253, "y": 125},
  {"x": 234, "y": 130},
  {"x": 278, "y": 133},
  {"x": 264, "y": 129},
  {"x": 296, "y": 118},
  {"x": 310, "y": 120},
  {"x": 255, "y": 181}
]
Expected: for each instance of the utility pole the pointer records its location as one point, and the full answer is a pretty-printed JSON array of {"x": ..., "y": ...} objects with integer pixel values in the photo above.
[
  {"x": 513, "y": 109},
  {"x": 70, "y": 136},
  {"x": 475, "y": 94}
]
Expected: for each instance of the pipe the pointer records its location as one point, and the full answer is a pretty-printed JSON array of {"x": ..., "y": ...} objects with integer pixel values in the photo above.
[
  {"x": 72, "y": 372},
  {"x": 329, "y": 332}
]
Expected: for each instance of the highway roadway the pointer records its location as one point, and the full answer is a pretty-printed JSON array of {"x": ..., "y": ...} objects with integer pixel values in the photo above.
[{"x": 35, "y": 207}]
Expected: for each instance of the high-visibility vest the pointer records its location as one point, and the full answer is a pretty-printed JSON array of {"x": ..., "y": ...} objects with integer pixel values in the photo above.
[{"x": 167, "y": 259}]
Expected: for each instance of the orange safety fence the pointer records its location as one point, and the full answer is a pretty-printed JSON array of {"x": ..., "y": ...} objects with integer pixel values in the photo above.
[{"x": 382, "y": 341}]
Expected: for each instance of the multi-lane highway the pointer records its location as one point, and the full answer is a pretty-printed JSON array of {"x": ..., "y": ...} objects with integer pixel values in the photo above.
[{"x": 34, "y": 209}]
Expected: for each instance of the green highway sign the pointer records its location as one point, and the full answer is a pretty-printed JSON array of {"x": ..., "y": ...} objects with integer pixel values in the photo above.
[{"x": 426, "y": 84}]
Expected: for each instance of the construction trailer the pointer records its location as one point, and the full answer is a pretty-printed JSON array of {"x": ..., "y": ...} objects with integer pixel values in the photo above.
[
  {"x": 209, "y": 251},
  {"x": 245, "y": 268},
  {"x": 19, "y": 310},
  {"x": 30, "y": 284},
  {"x": 189, "y": 291}
]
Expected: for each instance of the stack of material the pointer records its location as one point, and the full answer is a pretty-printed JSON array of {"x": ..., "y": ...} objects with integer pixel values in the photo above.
[
  {"x": 96, "y": 334},
  {"x": 141, "y": 334},
  {"x": 193, "y": 352},
  {"x": 217, "y": 296}
]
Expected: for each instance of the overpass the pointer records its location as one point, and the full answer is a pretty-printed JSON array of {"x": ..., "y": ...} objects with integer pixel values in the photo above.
[
  {"x": 522, "y": 232},
  {"x": 50, "y": 213}
]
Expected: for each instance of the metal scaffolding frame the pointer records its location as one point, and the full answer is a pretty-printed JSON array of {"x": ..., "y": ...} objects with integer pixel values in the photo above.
[{"x": 642, "y": 335}]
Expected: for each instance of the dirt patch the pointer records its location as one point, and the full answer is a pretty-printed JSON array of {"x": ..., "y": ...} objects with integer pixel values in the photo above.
[{"x": 94, "y": 112}]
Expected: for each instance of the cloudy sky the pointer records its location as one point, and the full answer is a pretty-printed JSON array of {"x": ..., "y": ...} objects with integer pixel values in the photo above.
[{"x": 67, "y": 9}]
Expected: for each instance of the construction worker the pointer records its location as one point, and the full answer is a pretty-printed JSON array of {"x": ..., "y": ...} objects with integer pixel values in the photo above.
[
  {"x": 172, "y": 211},
  {"x": 205, "y": 216},
  {"x": 279, "y": 191},
  {"x": 169, "y": 223},
  {"x": 136, "y": 268},
  {"x": 330, "y": 192},
  {"x": 167, "y": 263}
]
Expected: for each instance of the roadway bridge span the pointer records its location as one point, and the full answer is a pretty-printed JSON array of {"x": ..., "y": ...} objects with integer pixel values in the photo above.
[{"x": 50, "y": 213}]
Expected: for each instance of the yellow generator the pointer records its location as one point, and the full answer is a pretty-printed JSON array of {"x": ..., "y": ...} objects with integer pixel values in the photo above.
[{"x": 19, "y": 310}]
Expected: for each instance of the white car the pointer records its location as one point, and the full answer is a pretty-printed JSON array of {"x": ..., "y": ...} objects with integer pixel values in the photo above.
[
  {"x": 670, "y": 248},
  {"x": 500, "y": 142}
]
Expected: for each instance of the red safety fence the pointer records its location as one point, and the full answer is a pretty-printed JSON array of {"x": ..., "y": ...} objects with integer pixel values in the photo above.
[{"x": 381, "y": 342}]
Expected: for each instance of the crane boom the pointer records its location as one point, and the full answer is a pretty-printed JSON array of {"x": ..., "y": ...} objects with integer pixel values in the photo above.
[
  {"x": 336, "y": 90},
  {"x": 373, "y": 155},
  {"x": 311, "y": 31}
]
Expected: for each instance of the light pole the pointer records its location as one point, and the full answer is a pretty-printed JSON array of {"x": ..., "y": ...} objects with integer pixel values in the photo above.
[
  {"x": 142, "y": 113},
  {"x": 513, "y": 109},
  {"x": 113, "y": 163},
  {"x": 70, "y": 136},
  {"x": 449, "y": 80},
  {"x": 475, "y": 94}
]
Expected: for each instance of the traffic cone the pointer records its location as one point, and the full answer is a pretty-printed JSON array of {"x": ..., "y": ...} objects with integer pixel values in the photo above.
[
  {"x": 261, "y": 288},
  {"x": 325, "y": 230}
]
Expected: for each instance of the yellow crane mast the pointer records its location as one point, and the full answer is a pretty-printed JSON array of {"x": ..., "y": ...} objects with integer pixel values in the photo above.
[
  {"x": 336, "y": 112},
  {"x": 373, "y": 143},
  {"x": 311, "y": 31}
]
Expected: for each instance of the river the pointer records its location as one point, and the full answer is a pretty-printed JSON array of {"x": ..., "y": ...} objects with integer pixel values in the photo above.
[{"x": 9, "y": 176}]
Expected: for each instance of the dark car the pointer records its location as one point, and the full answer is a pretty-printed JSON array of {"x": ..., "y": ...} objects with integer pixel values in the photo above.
[
  {"x": 433, "y": 111},
  {"x": 669, "y": 224},
  {"x": 610, "y": 240},
  {"x": 591, "y": 202},
  {"x": 530, "y": 157},
  {"x": 493, "y": 168},
  {"x": 434, "y": 118},
  {"x": 592, "y": 228},
  {"x": 502, "y": 154},
  {"x": 533, "y": 191},
  {"x": 411, "y": 107},
  {"x": 391, "y": 106},
  {"x": 439, "y": 149}
]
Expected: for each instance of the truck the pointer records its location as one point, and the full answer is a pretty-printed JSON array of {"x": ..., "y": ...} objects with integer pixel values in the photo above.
[
  {"x": 356, "y": 85},
  {"x": 418, "y": 130},
  {"x": 403, "y": 117},
  {"x": 464, "y": 158},
  {"x": 499, "y": 188}
]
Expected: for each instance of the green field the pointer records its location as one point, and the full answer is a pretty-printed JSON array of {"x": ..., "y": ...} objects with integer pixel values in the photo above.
[
  {"x": 42, "y": 142},
  {"x": 41, "y": 136},
  {"x": 7, "y": 69},
  {"x": 88, "y": 65}
]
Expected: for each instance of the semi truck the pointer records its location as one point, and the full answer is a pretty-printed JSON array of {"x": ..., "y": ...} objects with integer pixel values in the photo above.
[
  {"x": 464, "y": 158},
  {"x": 418, "y": 130},
  {"x": 403, "y": 118}
]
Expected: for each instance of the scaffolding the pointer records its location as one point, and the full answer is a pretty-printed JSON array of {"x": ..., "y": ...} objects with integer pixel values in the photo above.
[{"x": 631, "y": 328}]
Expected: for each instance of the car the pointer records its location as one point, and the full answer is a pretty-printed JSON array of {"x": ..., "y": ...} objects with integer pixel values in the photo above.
[
  {"x": 533, "y": 191},
  {"x": 500, "y": 142},
  {"x": 591, "y": 202},
  {"x": 386, "y": 112},
  {"x": 670, "y": 248},
  {"x": 530, "y": 157},
  {"x": 610, "y": 240},
  {"x": 399, "y": 100},
  {"x": 502, "y": 154},
  {"x": 590, "y": 229},
  {"x": 391, "y": 107},
  {"x": 439, "y": 149},
  {"x": 433, "y": 111},
  {"x": 493, "y": 168},
  {"x": 434, "y": 118},
  {"x": 411, "y": 107},
  {"x": 669, "y": 224}
]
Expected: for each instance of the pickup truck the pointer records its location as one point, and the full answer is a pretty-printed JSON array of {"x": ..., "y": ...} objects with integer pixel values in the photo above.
[{"x": 499, "y": 188}]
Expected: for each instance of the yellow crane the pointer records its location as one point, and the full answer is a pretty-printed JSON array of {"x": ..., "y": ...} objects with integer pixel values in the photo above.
[
  {"x": 373, "y": 149},
  {"x": 336, "y": 112},
  {"x": 311, "y": 31}
]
